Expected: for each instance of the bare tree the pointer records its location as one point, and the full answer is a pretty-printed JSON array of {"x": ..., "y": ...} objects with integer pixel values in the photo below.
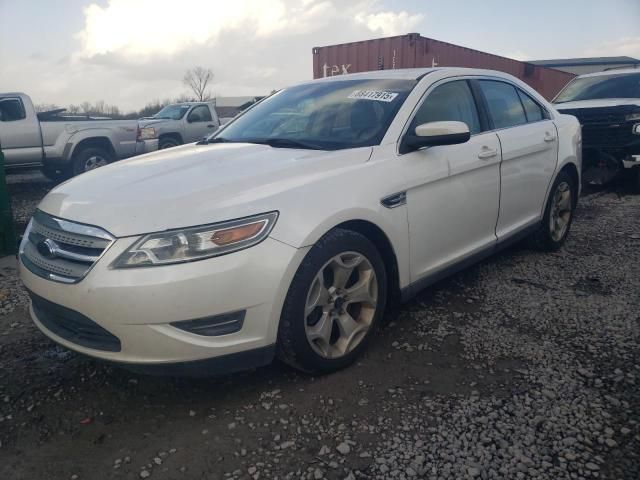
[{"x": 197, "y": 79}]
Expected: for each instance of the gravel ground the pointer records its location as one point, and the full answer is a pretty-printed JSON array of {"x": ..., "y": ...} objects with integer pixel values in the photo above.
[{"x": 524, "y": 366}]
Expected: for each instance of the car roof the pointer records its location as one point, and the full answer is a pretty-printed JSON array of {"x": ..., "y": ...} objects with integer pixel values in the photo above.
[
  {"x": 613, "y": 71},
  {"x": 412, "y": 74}
]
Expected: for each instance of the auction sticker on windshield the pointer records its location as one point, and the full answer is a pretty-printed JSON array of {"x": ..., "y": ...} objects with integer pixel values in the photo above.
[{"x": 378, "y": 95}]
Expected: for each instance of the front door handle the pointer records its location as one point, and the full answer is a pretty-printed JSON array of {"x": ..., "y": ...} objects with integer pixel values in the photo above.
[
  {"x": 487, "y": 153},
  {"x": 549, "y": 137},
  {"x": 211, "y": 125}
]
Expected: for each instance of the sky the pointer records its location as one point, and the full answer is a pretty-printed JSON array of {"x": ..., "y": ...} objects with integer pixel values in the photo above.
[{"x": 131, "y": 52}]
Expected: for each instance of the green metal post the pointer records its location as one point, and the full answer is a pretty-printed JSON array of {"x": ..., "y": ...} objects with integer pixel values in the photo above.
[{"x": 8, "y": 242}]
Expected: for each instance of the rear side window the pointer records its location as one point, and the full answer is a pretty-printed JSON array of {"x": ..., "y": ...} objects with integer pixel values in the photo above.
[
  {"x": 451, "y": 101},
  {"x": 11, "y": 109},
  {"x": 504, "y": 104},
  {"x": 534, "y": 111}
]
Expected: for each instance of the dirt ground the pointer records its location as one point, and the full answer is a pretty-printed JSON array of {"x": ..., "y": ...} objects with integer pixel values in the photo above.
[{"x": 524, "y": 366}]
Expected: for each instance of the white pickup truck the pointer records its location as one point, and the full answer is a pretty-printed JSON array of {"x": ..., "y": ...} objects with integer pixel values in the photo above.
[
  {"x": 64, "y": 146},
  {"x": 184, "y": 122}
]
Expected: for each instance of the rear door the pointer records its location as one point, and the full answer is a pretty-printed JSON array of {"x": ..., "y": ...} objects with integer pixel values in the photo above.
[
  {"x": 453, "y": 190},
  {"x": 199, "y": 124},
  {"x": 529, "y": 153},
  {"x": 19, "y": 135}
]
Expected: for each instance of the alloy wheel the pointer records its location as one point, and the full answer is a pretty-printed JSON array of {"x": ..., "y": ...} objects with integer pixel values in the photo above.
[
  {"x": 561, "y": 210},
  {"x": 94, "y": 162},
  {"x": 341, "y": 305}
]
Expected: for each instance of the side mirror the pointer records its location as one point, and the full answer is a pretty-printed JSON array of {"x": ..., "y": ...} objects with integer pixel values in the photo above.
[{"x": 435, "y": 133}]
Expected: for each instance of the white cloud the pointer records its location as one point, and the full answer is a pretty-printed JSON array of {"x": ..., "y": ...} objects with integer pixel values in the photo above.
[
  {"x": 142, "y": 28},
  {"x": 131, "y": 52},
  {"x": 626, "y": 46},
  {"x": 390, "y": 23}
]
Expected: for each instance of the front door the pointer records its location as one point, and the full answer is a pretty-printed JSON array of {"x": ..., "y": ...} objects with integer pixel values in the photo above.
[
  {"x": 199, "y": 124},
  {"x": 453, "y": 190}
]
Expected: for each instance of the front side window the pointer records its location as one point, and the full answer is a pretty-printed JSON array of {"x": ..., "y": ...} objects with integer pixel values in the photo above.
[
  {"x": 11, "y": 109},
  {"x": 200, "y": 113},
  {"x": 505, "y": 107},
  {"x": 534, "y": 111},
  {"x": 623, "y": 85},
  {"x": 451, "y": 101},
  {"x": 322, "y": 115}
]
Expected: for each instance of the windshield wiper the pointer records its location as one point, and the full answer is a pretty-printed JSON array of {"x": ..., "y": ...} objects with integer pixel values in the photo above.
[
  {"x": 219, "y": 140},
  {"x": 285, "y": 143}
]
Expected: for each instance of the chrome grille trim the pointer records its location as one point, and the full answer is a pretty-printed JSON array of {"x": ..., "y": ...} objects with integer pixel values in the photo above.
[{"x": 61, "y": 250}]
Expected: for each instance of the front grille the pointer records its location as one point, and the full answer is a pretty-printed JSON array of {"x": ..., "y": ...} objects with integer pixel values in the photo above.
[
  {"x": 73, "y": 326},
  {"x": 608, "y": 136},
  {"x": 61, "y": 250},
  {"x": 604, "y": 126},
  {"x": 607, "y": 115}
]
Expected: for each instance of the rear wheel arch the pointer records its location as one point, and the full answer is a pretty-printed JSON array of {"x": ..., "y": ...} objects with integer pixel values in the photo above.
[{"x": 94, "y": 142}]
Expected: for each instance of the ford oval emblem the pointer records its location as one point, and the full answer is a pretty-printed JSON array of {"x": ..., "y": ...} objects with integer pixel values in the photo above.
[{"x": 47, "y": 248}]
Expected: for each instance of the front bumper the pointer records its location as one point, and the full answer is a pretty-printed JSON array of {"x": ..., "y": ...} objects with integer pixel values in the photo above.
[
  {"x": 137, "y": 305},
  {"x": 147, "y": 146}
]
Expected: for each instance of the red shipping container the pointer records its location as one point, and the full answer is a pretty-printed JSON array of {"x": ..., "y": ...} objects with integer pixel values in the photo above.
[{"x": 413, "y": 50}]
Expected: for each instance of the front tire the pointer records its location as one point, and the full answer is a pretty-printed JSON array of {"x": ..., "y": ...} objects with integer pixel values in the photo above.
[
  {"x": 558, "y": 214},
  {"x": 334, "y": 304},
  {"x": 168, "y": 142}
]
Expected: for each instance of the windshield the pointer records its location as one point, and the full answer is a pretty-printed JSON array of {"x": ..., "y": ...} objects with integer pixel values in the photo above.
[
  {"x": 601, "y": 86},
  {"x": 172, "y": 112},
  {"x": 324, "y": 115}
]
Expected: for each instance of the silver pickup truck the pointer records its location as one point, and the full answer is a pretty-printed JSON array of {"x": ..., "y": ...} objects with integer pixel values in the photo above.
[
  {"x": 64, "y": 146},
  {"x": 184, "y": 122}
]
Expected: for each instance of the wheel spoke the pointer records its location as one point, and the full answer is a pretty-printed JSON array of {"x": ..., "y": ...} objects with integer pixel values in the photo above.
[
  {"x": 361, "y": 291},
  {"x": 342, "y": 270},
  {"x": 349, "y": 330},
  {"x": 321, "y": 331},
  {"x": 565, "y": 201},
  {"x": 318, "y": 295}
]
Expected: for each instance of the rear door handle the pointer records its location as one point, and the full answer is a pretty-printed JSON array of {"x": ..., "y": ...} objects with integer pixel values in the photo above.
[
  {"x": 211, "y": 125},
  {"x": 549, "y": 137},
  {"x": 487, "y": 153}
]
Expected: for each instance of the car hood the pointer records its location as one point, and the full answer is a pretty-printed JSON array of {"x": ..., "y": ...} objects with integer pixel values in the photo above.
[
  {"x": 597, "y": 103},
  {"x": 194, "y": 185}
]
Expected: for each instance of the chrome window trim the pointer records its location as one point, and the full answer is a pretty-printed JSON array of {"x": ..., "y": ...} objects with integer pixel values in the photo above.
[{"x": 442, "y": 81}]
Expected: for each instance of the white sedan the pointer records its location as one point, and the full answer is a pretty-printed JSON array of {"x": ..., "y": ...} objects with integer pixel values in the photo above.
[{"x": 289, "y": 230}]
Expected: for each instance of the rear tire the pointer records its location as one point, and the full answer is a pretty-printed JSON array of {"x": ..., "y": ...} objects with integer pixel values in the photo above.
[
  {"x": 558, "y": 214},
  {"x": 636, "y": 180},
  {"x": 334, "y": 304},
  {"x": 90, "y": 158}
]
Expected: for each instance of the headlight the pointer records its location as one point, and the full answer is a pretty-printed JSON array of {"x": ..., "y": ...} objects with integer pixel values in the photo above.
[
  {"x": 197, "y": 243},
  {"x": 632, "y": 117},
  {"x": 146, "y": 133}
]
